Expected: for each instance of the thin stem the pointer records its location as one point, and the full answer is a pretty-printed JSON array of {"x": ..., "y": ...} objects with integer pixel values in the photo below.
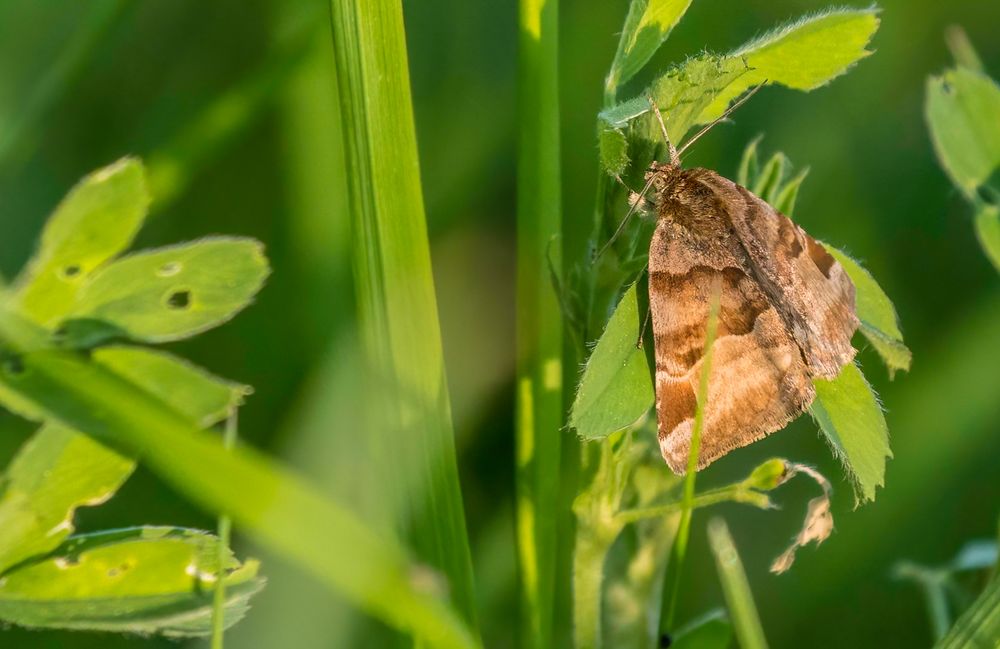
[
  {"x": 222, "y": 556},
  {"x": 735, "y": 587},
  {"x": 684, "y": 529},
  {"x": 937, "y": 607},
  {"x": 961, "y": 48},
  {"x": 539, "y": 318},
  {"x": 733, "y": 493}
]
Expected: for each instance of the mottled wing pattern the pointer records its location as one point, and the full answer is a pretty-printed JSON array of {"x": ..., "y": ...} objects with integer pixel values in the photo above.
[
  {"x": 758, "y": 380},
  {"x": 810, "y": 289}
]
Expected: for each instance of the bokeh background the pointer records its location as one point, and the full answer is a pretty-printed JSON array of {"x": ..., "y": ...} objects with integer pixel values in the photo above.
[{"x": 232, "y": 105}]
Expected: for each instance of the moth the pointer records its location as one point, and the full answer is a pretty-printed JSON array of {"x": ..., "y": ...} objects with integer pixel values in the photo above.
[{"x": 786, "y": 311}]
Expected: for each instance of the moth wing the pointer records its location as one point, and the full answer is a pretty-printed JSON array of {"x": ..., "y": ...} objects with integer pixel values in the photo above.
[
  {"x": 758, "y": 381},
  {"x": 811, "y": 290}
]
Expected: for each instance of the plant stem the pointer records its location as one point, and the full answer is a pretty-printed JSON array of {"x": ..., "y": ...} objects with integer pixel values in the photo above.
[
  {"x": 742, "y": 610},
  {"x": 222, "y": 554},
  {"x": 684, "y": 529},
  {"x": 539, "y": 318},
  {"x": 397, "y": 306},
  {"x": 588, "y": 578},
  {"x": 735, "y": 493}
]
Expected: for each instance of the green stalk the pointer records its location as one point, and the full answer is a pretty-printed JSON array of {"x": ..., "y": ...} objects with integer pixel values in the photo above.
[
  {"x": 589, "y": 555},
  {"x": 735, "y": 587},
  {"x": 539, "y": 318},
  {"x": 679, "y": 550},
  {"x": 225, "y": 532},
  {"x": 397, "y": 306}
]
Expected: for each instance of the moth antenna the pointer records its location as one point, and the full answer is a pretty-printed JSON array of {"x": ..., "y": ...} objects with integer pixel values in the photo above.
[
  {"x": 625, "y": 219},
  {"x": 674, "y": 156},
  {"x": 729, "y": 111}
]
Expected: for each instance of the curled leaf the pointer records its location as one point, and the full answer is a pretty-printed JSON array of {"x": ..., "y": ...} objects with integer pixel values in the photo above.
[{"x": 818, "y": 523}]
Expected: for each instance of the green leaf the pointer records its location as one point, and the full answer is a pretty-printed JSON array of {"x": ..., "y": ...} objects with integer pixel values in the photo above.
[
  {"x": 980, "y": 625},
  {"x": 95, "y": 222},
  {"x": 206, "y": 399},
  {"x": 749, "y": 165},
  {"x": 988, "y": 231},
  {"x": 615, "y": 389},
  {"x": 769, "y": 181},
  {"x": 879, "y": 322},
  {"x": 851, "y": 418},
  {"x": 802, "y": 55},
  {"x": 787, "y": 194},
  {"x": 269, "y": 503},
  {"x": 735, "y": 587},
  {"x": 963, "y": 114},
  {"x": 614, "y": 151},
  {"x": 56, "y": 471},
  {"x": 177, "y": 291},
  {"x": 710, "y": 631},
  {"x": 142, "y": 580},
  {"x": 647, "y": 26}
]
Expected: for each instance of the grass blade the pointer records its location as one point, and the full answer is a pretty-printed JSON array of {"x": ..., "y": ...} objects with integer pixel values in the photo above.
[
  {"x": 395, "y": 289},
  {"x": 735, "y": 587},
  {"x": 539, "y": 317}
]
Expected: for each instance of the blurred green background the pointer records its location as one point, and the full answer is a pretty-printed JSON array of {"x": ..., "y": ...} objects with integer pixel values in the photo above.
[{"x": 233, "y": 106}]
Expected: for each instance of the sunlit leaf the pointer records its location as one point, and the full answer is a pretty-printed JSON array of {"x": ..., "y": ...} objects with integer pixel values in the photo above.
[
  {"x": 879, "y": 322},
  {"x": 177, "y": 291},
  {"x": 849, "y": 414},
  {"x": 616, "y": 388},
  {"x": 56, "y": 471},
  {"x": 802, "y": 55},
  {"x": 95, "y": 222},
  {"x": 647, "y": 26},
  {"x": 963, "y": 113},
  {"x": 143, "y": 580}
]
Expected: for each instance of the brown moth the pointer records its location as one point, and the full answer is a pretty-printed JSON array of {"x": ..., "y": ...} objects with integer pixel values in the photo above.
[{"x": 786, "y": 312}]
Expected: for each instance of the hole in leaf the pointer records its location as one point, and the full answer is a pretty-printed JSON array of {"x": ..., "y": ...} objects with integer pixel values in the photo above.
[
  {"x": 665, "y": 641},
  {"x": 71, "y": 271},
  {"x": 114, "y": 572},
  {"x": 179, "y": 299},
  {"x": 169, "y": 269}
]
